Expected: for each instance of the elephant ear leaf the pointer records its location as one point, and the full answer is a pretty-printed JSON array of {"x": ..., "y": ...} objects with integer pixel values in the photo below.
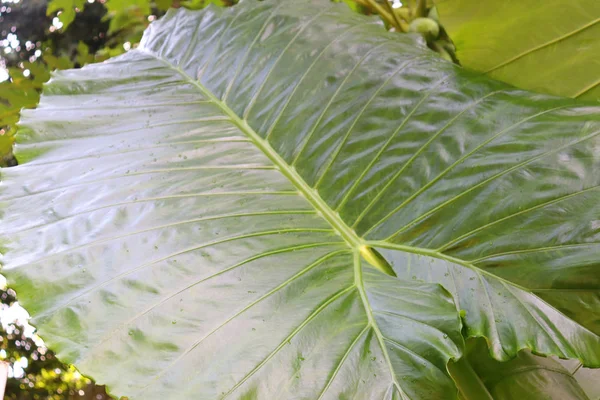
[{"x": 282, "y": 200}]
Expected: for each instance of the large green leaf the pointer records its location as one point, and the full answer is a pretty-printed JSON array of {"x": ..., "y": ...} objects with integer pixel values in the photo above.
[
  {"x": 189, "y": 218},
  {"x": 547, "y": 46}
]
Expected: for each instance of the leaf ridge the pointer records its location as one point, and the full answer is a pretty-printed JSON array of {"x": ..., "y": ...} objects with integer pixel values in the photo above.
[
  {"x": 264, "y": 82},
  {"x": 245, "y": 236},
  {"x": 453, "y": 165},
  {"x": 215, "y": 48},
  {"x": 401, "y": 316},
  {"x": 290, "y": 336},
  {"x": 490, "y": 179},
  {"x": 548, "y": 332},
  {"x": 109, "y": 154},
  {"x": 358, "y": 282},
  {"x": 407, "y": 350},
  {"x": 490, "y": 307},
  {"x": 335, "y": 94},
  {"x": 125, "y": 273},
  {"x": 130, "y": 271},
  {"x": 417, "y": 153},
  {"x": 560, "y": 246},
  {"x": 358, "y": 117},
  {"x": 173, "y": 196},
  {"x": 188, "y": 221},
  {"x": 316, "y": 59},
  {"x": 587, "y": 89},
  {"x": 141, "y": 106},
  {"x": 536, "y": 207},
  {"x": 248, "y": 50},
  {"x": 388, "y": 142},
  {"x": 121, "y": 132}
]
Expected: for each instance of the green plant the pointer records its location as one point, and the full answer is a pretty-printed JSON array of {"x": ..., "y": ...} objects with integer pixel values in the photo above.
[{"x": 306, "y": 207}]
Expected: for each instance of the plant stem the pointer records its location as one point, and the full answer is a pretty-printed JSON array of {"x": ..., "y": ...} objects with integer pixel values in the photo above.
[
  {"x": 467, "y": 381},
  {"x": 421, "y": 8},
  {"x": 398, "y": 22},
  {"x": 380, "y": 10}
]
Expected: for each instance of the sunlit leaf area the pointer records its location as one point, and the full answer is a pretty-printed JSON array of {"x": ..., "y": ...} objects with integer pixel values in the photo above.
[{"x": 300, "y": 199}]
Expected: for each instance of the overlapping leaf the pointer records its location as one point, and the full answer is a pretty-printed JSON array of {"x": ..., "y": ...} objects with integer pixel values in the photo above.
[
  {"x": 196, "y": 211},
  {"x": 526, "y": 376}
]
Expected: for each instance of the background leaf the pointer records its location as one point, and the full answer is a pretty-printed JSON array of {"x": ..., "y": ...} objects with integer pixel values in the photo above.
[{"x": 550, "y": 47}]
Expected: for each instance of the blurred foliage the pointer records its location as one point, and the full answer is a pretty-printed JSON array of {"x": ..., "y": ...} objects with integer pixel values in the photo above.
[{"x": 35, "y": 372}]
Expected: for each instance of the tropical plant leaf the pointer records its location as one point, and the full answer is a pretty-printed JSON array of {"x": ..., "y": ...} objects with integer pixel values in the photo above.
[
  {"x": 550, "y": 47},
  {"x": 201, "y": 205}
]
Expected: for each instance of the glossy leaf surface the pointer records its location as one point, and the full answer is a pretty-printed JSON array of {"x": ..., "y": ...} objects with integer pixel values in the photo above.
[
  {"x": 550, "y": 47},
  {"x": 202, "y": 204}
]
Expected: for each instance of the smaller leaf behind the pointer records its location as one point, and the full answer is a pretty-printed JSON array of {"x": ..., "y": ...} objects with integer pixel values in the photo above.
[
  {"x": 550, "y": 47},
  {"x": 525, "y": 377}
]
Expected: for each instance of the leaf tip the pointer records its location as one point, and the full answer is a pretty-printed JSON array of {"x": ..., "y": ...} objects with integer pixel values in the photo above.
[{"x": 374, "y": 258}]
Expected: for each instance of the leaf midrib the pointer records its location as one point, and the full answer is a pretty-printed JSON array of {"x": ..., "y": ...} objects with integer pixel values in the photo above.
[
  {"x": 356, "y": 243},
  {"x": 348, "y": 234}
]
